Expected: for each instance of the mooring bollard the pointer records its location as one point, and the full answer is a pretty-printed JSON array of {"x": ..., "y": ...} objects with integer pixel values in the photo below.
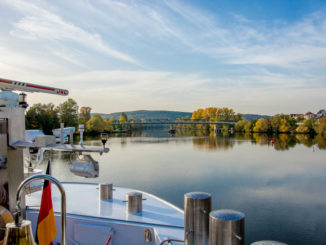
[
  {"x": 106, "y": 191},
  {"x": 197, "y": 206},
  {"x": 268, "y": 243},
  {"x": 226, "y": 227},
  {"x": 134, "y": 202}
]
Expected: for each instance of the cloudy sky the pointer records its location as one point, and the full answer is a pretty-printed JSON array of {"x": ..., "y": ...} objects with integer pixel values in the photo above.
[{"x": 253, "y": 56}]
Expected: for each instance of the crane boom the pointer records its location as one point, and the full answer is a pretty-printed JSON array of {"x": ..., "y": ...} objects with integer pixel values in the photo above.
[{"x": 6, "y": 84}]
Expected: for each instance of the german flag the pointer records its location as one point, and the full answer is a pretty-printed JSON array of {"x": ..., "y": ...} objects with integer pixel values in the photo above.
[{"x": 46, "y": 229}]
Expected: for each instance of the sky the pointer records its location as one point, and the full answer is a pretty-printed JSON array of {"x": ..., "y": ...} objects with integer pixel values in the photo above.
[{"x": 264, "y": 57}]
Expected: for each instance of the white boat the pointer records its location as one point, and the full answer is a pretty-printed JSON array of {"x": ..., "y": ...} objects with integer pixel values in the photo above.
[
  {"x": 91, "y": 214},
  {"x": 91, "y": 220}
]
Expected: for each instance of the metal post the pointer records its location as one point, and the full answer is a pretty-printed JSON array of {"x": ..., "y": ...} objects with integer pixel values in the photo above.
[
  {"x": 106, "y": 191},
  {"x": 268, "y": 243},
  {"x": 134, "y": 202},
  {"x": 62, "y": 133},
  {"x": 226, "y": 227},
  {"x": 81, "y": 132},
  {"x": 197, "y": 206},
  {"x": 71, "y": 136}
]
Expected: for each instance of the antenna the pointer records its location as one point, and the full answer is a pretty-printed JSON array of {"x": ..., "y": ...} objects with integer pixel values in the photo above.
[{"x": 9, "y": 85}]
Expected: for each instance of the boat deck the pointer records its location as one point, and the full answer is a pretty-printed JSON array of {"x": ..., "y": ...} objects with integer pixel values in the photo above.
[{"x": 83, "y": 203}]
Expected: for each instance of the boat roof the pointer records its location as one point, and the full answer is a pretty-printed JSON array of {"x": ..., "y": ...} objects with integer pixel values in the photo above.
[{"x": 83, "y": 199}]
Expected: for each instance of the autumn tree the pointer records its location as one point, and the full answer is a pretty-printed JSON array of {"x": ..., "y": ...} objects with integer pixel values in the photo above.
[
  {"x": 198, "y": 114},
  {"x": 276, "y": 122},
  {"x": 249, "y": 126},
  {"x": 240, "y": 125},
  {"x": 284, "y": 126},
  {"x": 307, "y": 127},
  {"x": 96, "y": 124},
  {"x": 123, "y": 117},
  {"x": 320, "y": 126},
  {"x": 262, "y": 126},
  {"x": 215, "y": 114},
  {"x": 85, "y": 114},
  {"x": 108, "y": 127}
]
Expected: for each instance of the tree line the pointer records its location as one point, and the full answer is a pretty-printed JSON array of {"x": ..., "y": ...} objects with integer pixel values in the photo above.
[
  {"x": 277, "y": 124},
  {"x": 281, "y": 123},
  {"x": 47, "y": 117},
  {"x": 215, "y": 114}
]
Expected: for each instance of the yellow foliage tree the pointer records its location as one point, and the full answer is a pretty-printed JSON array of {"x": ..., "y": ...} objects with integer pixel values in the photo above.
[
  {"x": 284, "y": 127},
  {"x": 96, "y": 124},
  {"x": 262, "y": 126}
]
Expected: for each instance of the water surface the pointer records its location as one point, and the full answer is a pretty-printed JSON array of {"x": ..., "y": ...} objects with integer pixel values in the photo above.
[{"x": 281, "y": 188}]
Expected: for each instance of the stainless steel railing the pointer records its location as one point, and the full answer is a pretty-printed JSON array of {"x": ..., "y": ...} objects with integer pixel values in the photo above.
[{"x": 63, "y": 199}]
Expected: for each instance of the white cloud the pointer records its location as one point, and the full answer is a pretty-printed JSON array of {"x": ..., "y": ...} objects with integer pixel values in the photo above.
[
  {"x": 40, "y": 24},
  {"x": 101, "y": 56}
]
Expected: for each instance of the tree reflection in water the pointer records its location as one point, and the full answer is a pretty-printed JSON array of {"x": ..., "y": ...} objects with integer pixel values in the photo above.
[{"x": 281, "y": 142}]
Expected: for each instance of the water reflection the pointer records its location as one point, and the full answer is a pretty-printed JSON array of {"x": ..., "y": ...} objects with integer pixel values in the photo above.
[
  {"x": 281, "y": 142},
  {"x": 280, "y": 187},
  {"x": 213, "y": 143},
  {"x": 204, "y": 139}
]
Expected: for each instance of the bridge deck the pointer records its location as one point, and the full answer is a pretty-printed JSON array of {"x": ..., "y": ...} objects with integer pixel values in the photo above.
[{"x": 181, "y": 122}]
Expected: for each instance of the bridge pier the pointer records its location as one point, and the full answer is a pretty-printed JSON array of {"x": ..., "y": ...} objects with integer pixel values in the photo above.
[
  {"x": 172, "y": 129},
  {"x": 216, "y": 130}
]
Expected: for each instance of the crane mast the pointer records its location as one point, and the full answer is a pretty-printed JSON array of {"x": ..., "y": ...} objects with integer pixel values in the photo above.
[{"x": 9, "y": 85}]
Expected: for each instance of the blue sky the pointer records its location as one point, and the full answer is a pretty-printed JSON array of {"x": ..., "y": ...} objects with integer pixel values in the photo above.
[{"x": 253, "y": 56}]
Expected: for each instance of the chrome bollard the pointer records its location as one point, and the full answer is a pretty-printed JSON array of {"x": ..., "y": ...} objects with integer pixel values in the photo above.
[
  {"x": 226, "y": 227},
  {"x": 134, "y": 202},
  {"x": 197, "y": 206},
  {"x": 268, "y": 243},
  {"x": 105, "y": 191}
]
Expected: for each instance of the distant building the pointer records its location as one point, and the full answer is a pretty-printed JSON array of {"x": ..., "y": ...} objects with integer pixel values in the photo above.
[
  {"x": 309, "y": 115},
  {"x": 296, "y": 116},
  {"x": 321, "y": 113}
]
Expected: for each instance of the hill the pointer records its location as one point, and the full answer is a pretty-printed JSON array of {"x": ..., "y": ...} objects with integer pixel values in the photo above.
[
  {"x": 162, "y": 115},
  {"x": 251, "y": 117}
]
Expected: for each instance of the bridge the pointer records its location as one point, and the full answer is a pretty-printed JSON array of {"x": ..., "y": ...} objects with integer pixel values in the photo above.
[{"x": 172, "y": 123}]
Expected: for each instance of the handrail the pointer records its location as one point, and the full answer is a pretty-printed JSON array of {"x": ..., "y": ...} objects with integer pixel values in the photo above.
[{"x": 63, "y": 199}]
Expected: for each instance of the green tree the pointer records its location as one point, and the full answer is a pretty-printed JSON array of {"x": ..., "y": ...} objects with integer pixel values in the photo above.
[
  {"x": 31, "y": 118},
  {"x": 240, "y": 125},
  {"x": 249, "y": 126},
  {"x": 85, "y": 114},
  {"x": 42, "y": 116},
  {"x": 276, "y": 122},
  {"x": 96, "y": 124},
  {"x": 307, "y": 127},
  {"x": 108, "y": 127},
  {"x": 68, "y": 113}
]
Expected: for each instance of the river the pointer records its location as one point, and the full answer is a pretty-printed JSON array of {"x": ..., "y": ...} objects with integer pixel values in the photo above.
[{"x": 281, "y": 188}]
